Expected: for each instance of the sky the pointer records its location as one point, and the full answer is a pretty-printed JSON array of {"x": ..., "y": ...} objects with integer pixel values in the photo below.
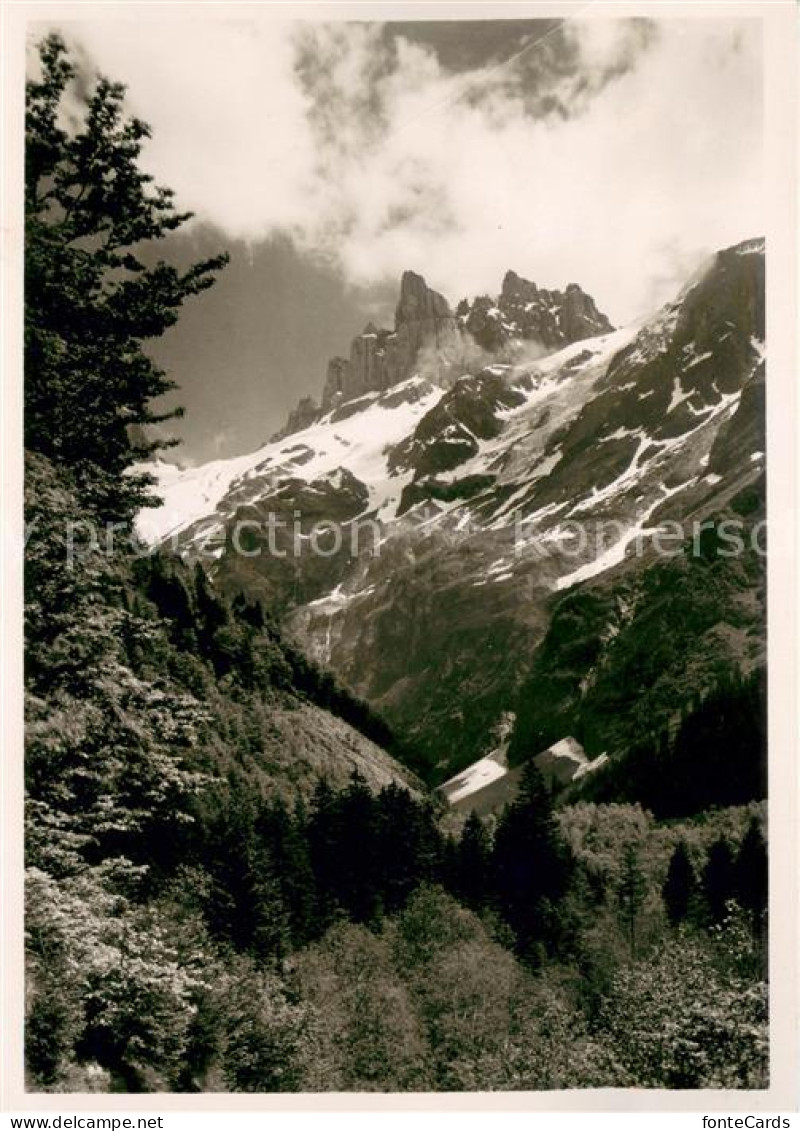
[{"x": 329, "y": 157}]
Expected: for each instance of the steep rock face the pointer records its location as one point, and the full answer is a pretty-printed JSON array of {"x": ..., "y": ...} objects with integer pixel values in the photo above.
[
  {"x": 525, "y": 313},
  {"x": 451, "y": 432},
  {"x": 580, "y": 317},
  {"x": 423, "y": 320},
  {"x": 425, "y": 337},
  {"x": 629, "y": 651},
  {"x": 304, "y": 414},
  {"x": 476, "y": 491},
  {"x": 336, "y": 382},
  {"x": 429, "y": 339}
]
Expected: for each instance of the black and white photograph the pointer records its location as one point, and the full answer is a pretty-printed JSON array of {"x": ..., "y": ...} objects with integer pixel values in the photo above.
[{"x": 395, "y": 553}]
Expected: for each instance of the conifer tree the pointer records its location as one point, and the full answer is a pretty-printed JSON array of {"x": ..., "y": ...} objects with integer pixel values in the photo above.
[
  {"x": 93, "y": 299},
  {"x": 358, "y": 871},
  {"x": 246, "y": 904},
  {"x": 409, "y": 846},
  {"x": 472, "y": 863},
  {"x": 323, "y": 835},
  {"x": 751, "y": 871},
  {"x": 284, "y": 835},
  {"x": 631, "y": 893},
  {"x": 679, "y": 891},
  {"x": 530, "y": 864},
  {"x": 719, "y": 879}
]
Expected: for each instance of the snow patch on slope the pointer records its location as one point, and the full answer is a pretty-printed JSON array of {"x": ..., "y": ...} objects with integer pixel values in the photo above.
[
  {"x": 475, "y": 777},
  {"x": 616, "y": 552},
  {"x": 358, "y": 444}
]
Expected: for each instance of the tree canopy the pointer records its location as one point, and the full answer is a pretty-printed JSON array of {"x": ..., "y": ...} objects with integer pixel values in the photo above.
[{"x": 93, "y": 295}]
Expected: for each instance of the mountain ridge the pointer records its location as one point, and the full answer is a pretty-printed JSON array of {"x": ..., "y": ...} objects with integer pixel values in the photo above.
[
  {"x": 430, "y": 338},
  {"x": 475, "y": 486}
]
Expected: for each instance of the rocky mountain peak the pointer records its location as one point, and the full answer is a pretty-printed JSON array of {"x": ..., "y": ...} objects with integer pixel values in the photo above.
[
  {"x": 525, "y": 312},
  {"x": 418, "y": 302},
  {"x": 581, "y": 318},
  {"x": 380, "y": 358},
  {"x": 428, "y": 338},
  {"x": 514, "y": 286}
]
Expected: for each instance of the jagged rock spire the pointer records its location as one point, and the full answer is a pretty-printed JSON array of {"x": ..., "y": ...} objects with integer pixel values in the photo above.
[
  {"x": 428, "y": 337},
  {"x": 418, "y": 303},
  {"x": 380, "y": 358},
  {"x": 530, "y": 313}
]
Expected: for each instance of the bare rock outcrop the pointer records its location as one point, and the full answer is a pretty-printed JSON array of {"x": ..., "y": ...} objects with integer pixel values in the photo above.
[
  {"x": 524, "y": 312},
  {"x": 425, "y": 337},
  {"x": 431, "y": 340}
]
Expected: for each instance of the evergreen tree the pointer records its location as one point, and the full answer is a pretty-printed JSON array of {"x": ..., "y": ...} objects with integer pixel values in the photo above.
[
  {"x": 679, "y": 891},
  {"x": 252, "y": 613},
  {"x": 472, "y": 863},
  {"x": 631, "y": 893},
  {"x": 357, "y": 853},
  {"x": 169, "y": 594},
  {"x": 212, "y": 616},
  {"x": 92, "y": 301},
  {"x": 323, "y": 835},
  {"x": 717, "y": 755},
  {"x": 751, "y": 871},
  {"x": 246, "y": 904},
  {"x": 409, "y": 846},
  {"x": 719, "y": 879},
  {"x": 530, "y": 866},
  {"x": 284, "y": 835}
]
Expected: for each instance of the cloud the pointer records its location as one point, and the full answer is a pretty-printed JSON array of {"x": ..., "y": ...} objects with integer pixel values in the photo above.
[
  {"x": 558, "y": 73},
  {"x": 606, "y": 152}
]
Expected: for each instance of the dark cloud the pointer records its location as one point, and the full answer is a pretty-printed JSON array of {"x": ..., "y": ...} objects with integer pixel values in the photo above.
[
  {"x": 539, "y": 67},
  {"x": 466, "y": 45},
  {"x": 554, "y": 76},
  {"x": 246, "y": 350}
]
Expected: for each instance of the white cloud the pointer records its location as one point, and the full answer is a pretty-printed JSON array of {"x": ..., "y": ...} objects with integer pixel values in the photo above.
[
  {"x": 228, "y": 118},
  {"x": 381, "y": 160}
]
